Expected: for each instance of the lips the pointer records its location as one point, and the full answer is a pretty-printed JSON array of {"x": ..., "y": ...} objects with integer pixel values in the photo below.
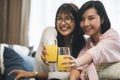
[
  {"x": 87, "y": 29},
  {"x": 64, "y": 28}
]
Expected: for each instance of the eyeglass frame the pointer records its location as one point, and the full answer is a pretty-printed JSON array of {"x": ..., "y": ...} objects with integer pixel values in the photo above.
[{"x": 64, "y": 19}]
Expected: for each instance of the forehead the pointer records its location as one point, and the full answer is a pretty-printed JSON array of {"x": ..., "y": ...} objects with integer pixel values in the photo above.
[
  {"x": 90, "y": 11},
  {"x": 65, "y": 14}
]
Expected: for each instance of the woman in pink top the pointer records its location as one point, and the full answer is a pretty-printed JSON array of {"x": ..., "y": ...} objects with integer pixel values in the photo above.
[{"x": 103, "y": 45}]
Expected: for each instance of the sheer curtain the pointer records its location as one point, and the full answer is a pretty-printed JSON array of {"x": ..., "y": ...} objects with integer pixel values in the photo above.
[{"x": 43, "y": 14}]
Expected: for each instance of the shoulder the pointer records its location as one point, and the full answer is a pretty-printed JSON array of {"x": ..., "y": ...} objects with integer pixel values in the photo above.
[
  {"x": 49, "y": 33},
  {"x": 110, "y": 34},
  {"x": 49, "y": 29}
]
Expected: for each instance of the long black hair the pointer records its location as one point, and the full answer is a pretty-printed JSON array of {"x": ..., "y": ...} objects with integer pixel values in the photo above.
[
  {"x": 99, "y": 7},
  {"x": 78, "y": 40}
]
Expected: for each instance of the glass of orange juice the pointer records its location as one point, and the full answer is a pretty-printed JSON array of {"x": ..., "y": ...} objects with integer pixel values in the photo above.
[
  {"x": 62, "y": 51},
  {"x": 51, "y": 49}
]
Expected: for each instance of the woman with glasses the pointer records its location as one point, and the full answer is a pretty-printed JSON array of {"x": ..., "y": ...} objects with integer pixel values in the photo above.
[{"x": 67, "y": 34}]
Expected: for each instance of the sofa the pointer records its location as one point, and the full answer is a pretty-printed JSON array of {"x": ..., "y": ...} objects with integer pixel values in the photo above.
[
  {"x": 22, "y": 57},
  {"x": 109, "y": 71},
  {"x": 13, "y": 56}
]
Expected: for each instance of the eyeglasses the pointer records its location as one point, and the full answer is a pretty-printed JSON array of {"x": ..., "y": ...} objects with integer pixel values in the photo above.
[{"x": 67, "y": 19}]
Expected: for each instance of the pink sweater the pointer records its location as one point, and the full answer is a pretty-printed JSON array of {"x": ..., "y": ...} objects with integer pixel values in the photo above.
[{"x": 106, "y": 51}]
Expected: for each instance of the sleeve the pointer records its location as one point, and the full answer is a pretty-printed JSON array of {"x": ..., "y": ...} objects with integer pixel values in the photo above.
[
  {"x": 48, "y": 34},
  {"x": 105, "y": 51},
  {"x": 82, "y": 68},
  {"x": 59, "y": 75}
]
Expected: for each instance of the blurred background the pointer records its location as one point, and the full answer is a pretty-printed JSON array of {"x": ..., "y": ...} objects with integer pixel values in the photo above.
[{"x": 23, "y": 21}]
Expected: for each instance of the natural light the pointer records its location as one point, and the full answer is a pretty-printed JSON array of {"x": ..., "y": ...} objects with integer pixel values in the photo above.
[{"x": 42, "y": 15}]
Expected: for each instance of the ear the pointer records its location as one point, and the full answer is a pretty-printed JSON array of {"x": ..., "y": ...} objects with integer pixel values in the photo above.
[{"x": 102, "y": 20}]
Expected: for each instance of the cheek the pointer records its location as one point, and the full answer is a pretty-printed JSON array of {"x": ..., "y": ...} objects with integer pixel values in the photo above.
[
  {"x": 73, "y": 27},
  {"x": 81, "y": 24},
  {"x": 98, "y": 24},
  {"x": 57, "y": 25},
  {"x": 58, "y": 28}
]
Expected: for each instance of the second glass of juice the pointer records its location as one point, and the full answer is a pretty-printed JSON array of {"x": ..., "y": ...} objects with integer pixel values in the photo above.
[{"x": 62, "y": 51}]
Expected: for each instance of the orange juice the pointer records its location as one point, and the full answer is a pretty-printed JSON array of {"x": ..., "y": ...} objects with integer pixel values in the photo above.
[
  {"x": 60, "y": 65},
  {"x": 51, "y": 55}
]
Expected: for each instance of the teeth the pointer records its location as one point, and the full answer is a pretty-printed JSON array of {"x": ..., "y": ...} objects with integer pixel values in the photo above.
[
  {"x": 87, "y": 29},
  {"x": 64, "y": 28}
]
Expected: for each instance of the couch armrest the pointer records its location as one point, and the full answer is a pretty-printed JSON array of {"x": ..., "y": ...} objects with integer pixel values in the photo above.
[{"x": 109, "y": 71}]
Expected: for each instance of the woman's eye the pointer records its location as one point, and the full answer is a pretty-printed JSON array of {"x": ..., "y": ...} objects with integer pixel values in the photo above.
[
  {"x": 91, "y": 18},
  {"x": 68, "y": 18},
  {"x": 59, "y": 18}
]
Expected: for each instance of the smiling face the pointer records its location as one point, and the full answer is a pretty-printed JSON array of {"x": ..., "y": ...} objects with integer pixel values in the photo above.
[
  {"x": 91, "y": 22},
  {"x": 65, "y": 24}
]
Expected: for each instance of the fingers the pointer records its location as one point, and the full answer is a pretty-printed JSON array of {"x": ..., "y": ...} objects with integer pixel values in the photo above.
[
  {"x": 44, "y": 51},
  {"x": 73, "y": 64},
  {"x": 69, "y": 56},
  {"x": 18, "y": 73},
  {"x": 13, "y": 71},
  {"x": 43, "y": 56},
  {"x": 17, "y": 77},
  {"x": 71, "y": 61},
  {"x": 44, "y": 60},
  {"x": 67, "y": 62}
]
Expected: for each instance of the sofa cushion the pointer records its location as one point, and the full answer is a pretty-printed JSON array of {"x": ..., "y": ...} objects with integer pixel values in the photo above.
[
  {"x": 14, "y": 60},
  {"x": 22, "y": 49},
  {"x": 109, "y": 71}
]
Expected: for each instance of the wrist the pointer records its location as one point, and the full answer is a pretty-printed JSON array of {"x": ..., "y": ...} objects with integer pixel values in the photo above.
[
  {"x": 78, "y": 63},
  {"x": 36, "y": 75},
  {"x": 40, "y": 75},
  {"x": 75, "y": 74}
]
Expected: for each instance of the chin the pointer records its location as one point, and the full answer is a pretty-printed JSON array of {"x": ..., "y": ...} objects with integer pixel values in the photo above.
[
  {"x": 88, "y": 33},
  {"x": 65, "y": 34}
]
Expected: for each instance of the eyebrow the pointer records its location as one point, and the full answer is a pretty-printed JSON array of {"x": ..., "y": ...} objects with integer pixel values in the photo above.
[{"x": 91, "y": 15}]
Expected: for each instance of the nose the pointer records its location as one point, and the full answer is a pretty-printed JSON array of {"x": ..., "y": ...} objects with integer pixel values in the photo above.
[
  {"x": 63, "y": 21},
  {"x": 86, "y": 22}
]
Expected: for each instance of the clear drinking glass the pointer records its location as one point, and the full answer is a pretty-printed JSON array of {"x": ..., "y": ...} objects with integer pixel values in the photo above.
[
  {"x": 51, "y": 49},
  {"x": 62, "y": 51}
]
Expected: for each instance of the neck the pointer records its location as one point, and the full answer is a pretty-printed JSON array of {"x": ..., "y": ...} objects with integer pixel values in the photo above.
[
  {"x": 95, "y": 38},
  {"x": 68, "y": 40}
]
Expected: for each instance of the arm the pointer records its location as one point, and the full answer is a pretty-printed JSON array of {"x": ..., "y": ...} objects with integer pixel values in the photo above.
[
  {"x": 26, "y": 74},
  {"x": 106, "y": 51},
  {"x": 48, "y": 33},
  {"x": 75, "y": 74},
  {"x": 78, "y": 62},
  {"x": 41, "y": 75},
  {"x": 83, "y": 60}
]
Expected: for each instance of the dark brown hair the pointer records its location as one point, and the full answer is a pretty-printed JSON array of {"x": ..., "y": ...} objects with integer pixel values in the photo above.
[{"x": 78, "y": 40}]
